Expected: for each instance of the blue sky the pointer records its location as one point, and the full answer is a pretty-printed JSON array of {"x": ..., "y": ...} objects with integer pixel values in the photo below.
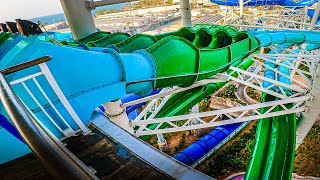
[{"x": 26, "y": 9}]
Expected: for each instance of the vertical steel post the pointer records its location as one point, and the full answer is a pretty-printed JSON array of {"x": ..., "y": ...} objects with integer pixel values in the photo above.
[
  {"x": 196, "y": 132},
  {"x": 185, "y": 13},
  {"x": 241, "y": 4},
  {"x": 305, "y": 17},
  {"x": 116, "y": 112},
  {"x": 162, "y": 143},
  {"x": 79, "y": 17},
  {"x": 315, "y": 16}
]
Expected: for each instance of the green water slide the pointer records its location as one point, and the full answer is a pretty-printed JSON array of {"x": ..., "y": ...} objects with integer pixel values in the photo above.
[
  {"x": 274, "y": 152},
  {"x": 202, "y": 62},
  {"x": 201, "y": 35},
  {"x": 273, "y": 155},
  {"x": 4, "y": 36}
]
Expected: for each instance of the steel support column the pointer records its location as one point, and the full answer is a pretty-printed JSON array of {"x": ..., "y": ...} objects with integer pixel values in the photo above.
[
  {"x": 94, "y": 4},
  {"x": 162, "y": 143},
  {"x": 196, "y": 132},
  {"x": 116, "y": 112},
  {"x": 79, "y": 17},
  {"x": 185, "y": 13},
  {"x": 315, "y": 16},
  {"x": 241, "y": 4}
]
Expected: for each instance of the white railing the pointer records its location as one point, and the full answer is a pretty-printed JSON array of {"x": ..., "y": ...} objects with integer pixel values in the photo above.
[{"x": 45, "y": 71}]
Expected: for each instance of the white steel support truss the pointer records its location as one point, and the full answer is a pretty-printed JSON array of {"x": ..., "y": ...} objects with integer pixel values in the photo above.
[
  {"x": 292, "y": 61},
  {"x": 257, "y": 80},
  {"x": 153, "y": 107},
  {"x": 170, "y": 91},
  {"x": 270, "y": 18},
  {"x": 253, "y": 77},
  {"x": 157, "y": 101},
  {"x": 183, "y": 122}
]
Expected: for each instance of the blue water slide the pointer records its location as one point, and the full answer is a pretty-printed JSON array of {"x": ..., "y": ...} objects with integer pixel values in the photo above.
[
  {"x": 11, "y": 147},
  {"x": 9, "y": 44},
  {"x": 56, "y": 35},
  {"x": 201, "y": 147},
  {"x": 80, "y": 84},
  {"x": 9, "y": 49},
  {"x": 266, "y": 2},
  {"x": 9, "y": 127},
  {"x": 311, "y": 13}
]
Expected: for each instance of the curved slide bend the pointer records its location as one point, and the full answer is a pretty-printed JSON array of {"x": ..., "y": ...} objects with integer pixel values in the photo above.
[
  {"x": 181, "y": 102},
  {"x": 159, "y": 65},
  {"x": 125, "y": 43}
]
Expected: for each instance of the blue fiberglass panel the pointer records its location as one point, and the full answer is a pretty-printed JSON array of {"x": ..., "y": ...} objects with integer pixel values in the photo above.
[
  {"x": 202, "y": 146},
  {"x": 55, "y": 35},
  {"x": 14, "y": 148},
  {"x": 10, "y": 43},
  {"x": 311, "y": 13},
  {"x": 9, "y": 127}
]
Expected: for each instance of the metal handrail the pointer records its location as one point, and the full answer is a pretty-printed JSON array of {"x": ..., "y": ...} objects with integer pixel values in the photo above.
[
  {"x": 57, "y": 160},
  {"x": 25, "y": 65}
]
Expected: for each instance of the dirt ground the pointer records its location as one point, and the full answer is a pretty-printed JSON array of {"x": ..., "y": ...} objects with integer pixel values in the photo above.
[
  {"x": 307, "y": 162},
  {"x": 206, "y": 166},
  {"x": 178, "y": 141}
]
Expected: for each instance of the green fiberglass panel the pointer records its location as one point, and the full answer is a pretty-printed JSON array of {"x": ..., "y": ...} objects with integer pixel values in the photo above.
[
  {"x": 94, "y": 36},
  {"x": 186, "y": 34},
  {"x": 4, "y": 37},
  {"x": 240, "y": 50},
  {"x": 111, "y": 39},
  {"x": 239, "y": 37},
  {"x": 177, "y": 61},
  {"x": 136, "y": 42},
  {"x": 202, "y": 39},
  {"x": 213, "y": 62},
  {"x": 220, "y": 39}
]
